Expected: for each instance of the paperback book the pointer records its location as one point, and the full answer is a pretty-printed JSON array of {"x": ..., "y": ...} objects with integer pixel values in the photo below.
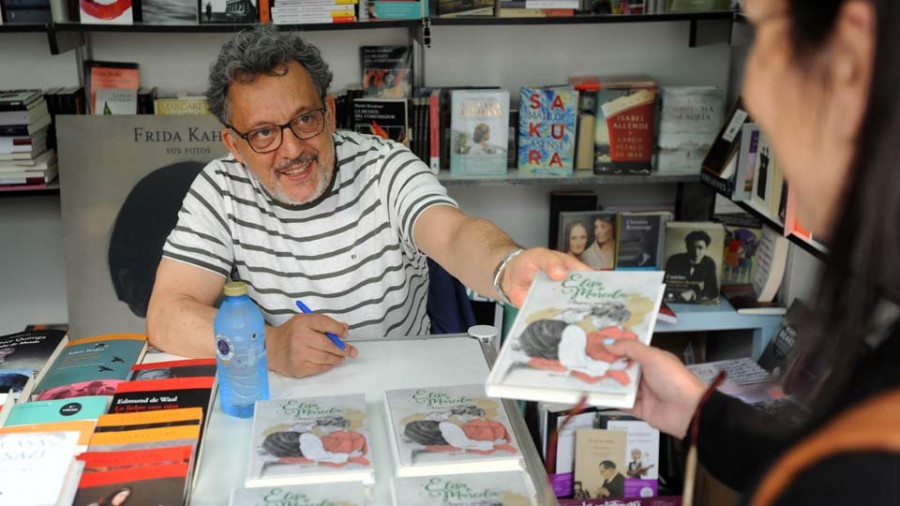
[
  {"x": 479, "y": 136},
  {"x": 641, "y": 239},
  {"x": 690, "y": 118},
  {"x": 347, "y": 494},
  {"x": 547, "y": 118},
  {"x": 310, "y": 440},
  {"x": 150, "y": 429},
  {"x": 163, "y": 394},
  {"x": 512, "y": 488},
  {"x": 91, "y": 366},
  {"x": 38, "y": 468},
  {"x": 693, "y": 261},
  {"x": 59, "y": 410},
  {"x": 24, "y": 354},
  {"x": 589, "y": 236},
  {"x": 720, "y": 163},
  {"x": 201, "y": 367},
  {"x": 227, "y": 11},
  {"x": 387, "y": 71},
  {"x": 449, "y": 430},
  {"x": 383, "y": 118},
  {"x": 554, "y": 351},
  {"x": 599, "y": 464},
  {"x": 159, "y": 485}
]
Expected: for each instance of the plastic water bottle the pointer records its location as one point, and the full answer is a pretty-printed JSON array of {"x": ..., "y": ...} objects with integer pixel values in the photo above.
[{"x": 240, "y": 352}]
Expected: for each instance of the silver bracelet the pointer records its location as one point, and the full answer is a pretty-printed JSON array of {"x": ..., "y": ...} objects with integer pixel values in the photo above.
[{"x": 498, "y": 274}]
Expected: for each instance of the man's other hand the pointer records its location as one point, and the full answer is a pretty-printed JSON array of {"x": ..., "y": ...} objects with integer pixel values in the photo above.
[
  {"x": 299, "y": 347},
  {"x": 522, "y": 269}
]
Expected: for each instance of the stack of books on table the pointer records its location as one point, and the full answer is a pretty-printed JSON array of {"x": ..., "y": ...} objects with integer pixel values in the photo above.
[
  {"x": 25, "y": 160},
  {"x": 301, "y": 12}
]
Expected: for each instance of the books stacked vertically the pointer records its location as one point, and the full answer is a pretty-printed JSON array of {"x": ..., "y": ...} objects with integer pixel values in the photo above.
[
  {"x": 310, "y": 440},
  {"x": 693, "y": 261},
  {"x": 26, "y": 162},
  {"x": 625, "y": 115},
  {"x": 347, "y": 494},
  {"x": 449, "y": 430},
  {"x": 301, "y": 12},
  {"x": 554, "y": 351},
  {"x": 475, "y": 489},
  {"x": 547, "y": 120}
]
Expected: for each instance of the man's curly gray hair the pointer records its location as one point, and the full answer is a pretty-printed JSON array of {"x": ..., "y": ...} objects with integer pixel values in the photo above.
[{"x": 258, "y": 51}]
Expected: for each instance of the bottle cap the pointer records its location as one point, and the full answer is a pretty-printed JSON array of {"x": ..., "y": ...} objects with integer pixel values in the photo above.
[{"x": 235, "y": 288}]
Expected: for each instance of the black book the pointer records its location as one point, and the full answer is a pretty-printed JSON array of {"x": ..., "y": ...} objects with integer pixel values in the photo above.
[
  {"x": 384, "y": 118},
  {"x": 387, "y": 71},
  {"x": 640, "y": 240},
  {"x": 780, "y": 350},
  {"x": 171, "y": 393}
]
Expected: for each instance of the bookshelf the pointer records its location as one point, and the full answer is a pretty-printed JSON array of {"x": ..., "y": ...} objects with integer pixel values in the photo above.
[{"x": 580, "y": 178}]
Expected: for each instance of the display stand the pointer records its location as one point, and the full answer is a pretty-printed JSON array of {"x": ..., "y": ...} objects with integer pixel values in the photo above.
[{"x": 383, "y": 364}]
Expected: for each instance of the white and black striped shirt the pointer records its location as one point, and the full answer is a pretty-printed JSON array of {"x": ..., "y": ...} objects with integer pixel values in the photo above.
[{"x": 349, "y": 255}]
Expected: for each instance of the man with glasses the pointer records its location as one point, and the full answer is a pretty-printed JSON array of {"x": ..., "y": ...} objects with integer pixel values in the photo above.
[{"x": 340, "y": 221}]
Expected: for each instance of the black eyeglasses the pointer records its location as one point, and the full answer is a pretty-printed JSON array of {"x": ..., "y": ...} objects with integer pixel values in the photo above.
[{"x": 268, "y": 138}]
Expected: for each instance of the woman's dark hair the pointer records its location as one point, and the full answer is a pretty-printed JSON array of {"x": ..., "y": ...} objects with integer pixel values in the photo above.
[
  {"x": 861, "y": 268},
  {"x": 541, "y": 338},
  {"x": 283, "y": 444}
]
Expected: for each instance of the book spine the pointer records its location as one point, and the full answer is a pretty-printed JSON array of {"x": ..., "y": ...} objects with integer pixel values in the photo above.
[{"x": 434, "y": 128}]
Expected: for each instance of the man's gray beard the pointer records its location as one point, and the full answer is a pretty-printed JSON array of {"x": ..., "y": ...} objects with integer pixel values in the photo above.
[{"x": 279, "y": 195}]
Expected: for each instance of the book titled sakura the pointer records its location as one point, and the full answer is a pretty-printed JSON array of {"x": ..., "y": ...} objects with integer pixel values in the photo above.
[
  {"x": 448, "y": 430},
  {"x": 310, "y": 440},
  {"x": 347, "y": 494},
  {"x": 556, "y": 348},
  {"x": 513, "y": 488}
]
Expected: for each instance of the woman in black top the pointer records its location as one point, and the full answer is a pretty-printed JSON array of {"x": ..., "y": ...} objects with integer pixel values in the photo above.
[{"x": 823, "y": 82}]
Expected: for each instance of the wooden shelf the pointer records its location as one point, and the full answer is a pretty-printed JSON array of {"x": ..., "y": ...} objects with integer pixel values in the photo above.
[{"x": 581, "y": 177}]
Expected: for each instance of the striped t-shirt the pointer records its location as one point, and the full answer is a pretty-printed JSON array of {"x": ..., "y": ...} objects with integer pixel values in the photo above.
[{"x": 349, "y": 255}]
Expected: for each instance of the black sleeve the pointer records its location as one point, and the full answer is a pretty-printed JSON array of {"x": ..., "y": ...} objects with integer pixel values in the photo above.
[
  {"x": 737, "y": 441},
  {"x": 847, "y": 478}
]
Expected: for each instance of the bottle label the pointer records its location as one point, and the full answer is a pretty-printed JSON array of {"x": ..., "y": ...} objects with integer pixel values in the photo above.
[{"x": 224, "y": 347}]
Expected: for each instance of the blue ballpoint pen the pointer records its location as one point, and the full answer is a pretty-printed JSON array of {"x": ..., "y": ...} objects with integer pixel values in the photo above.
[{"x": 334, "y": 339}]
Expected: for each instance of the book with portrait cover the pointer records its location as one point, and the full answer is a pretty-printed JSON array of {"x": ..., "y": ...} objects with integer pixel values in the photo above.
[
  {"x": 310, "y": 440},
  {"x": 479, "y": 132},
  {"x": 600, "y": 463},
  {"x": 159, "y": 485},
  {"x": 693, "y": 261},
  {"x": 190, "y": 368},
  {"x": 547, "y": 130},
  {"x": 347, "y": 494},
  {"x": 589, "y": 236},
  {"x": 554, "y": 351},
  {"x": 387, "y": 71},
  {"x": 91, "y": 366},
  {"x": 383, "y": 118},
  {"x": 510, "y": 488},
  {"x": 449, "y": 430}
]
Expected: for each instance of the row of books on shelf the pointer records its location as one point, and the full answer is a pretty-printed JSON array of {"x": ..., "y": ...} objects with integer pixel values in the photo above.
[
  {"x": 192, "y": 12},
  {"x": 83, "y": 422},
  {"x": 742, "y": 166}
]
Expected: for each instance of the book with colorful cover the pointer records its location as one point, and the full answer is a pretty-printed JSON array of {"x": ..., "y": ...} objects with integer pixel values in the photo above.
[
  {"x": 160, "y": 485},
  {"x": 24, "y": 354},
  {"x": 600, "y": 463},
  {"x": 310, "y": 440},
  {"x": 108, "y": 461},
  {"x": 642, "y": 456},
  {"x": 163, "y": 394},
  {"x": 102, "y": 74},
  {"x": 384, "y": 118},
  {"x": 479, "y": 132},
  {"x": 346, "y": 494},
  {"x": 510, "y": 488},
  {"x": 91, "y": 366},
  {"x": 387, "y": 71},
  {"x": 149, "y": 429},
  {"x": 554, "y": 351},
  {"x": 547, "y": 118},
  {"x": 84, "y": 429},
  {"x": 449, "y": 430},
  {"x": 58, "y": 410}
]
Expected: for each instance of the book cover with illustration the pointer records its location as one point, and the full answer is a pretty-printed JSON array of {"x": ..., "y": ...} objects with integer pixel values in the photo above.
[
  {"x": 641, "y": 238},
  {"x": 599, "y": 464},
  {"x": 91, "y": 366},
  {"x": 227, "y": 11},
  {"x": 554, "y": 351},
  {"x": 310, "y": 440},
  {"x": 347, "y": 494},
  {"x": 24, "y": 354},
  {"x": 642, "y": 456},
  {"x": 479, "y": 132},
  {"x": 547, "y": 118},
  {"x": 693, "y": 261},
  {"x": 623, "y": 130},
  {"x": 159, "y": 485},
  {"x": 387, "y": 71},
  {"x": 511, "y": 488},
  {"x": 383, "y": 118},
  {"x": 446, "y": 430},
  {"x": 589, "y": 236},
  {"x": 689, "y": 121}
]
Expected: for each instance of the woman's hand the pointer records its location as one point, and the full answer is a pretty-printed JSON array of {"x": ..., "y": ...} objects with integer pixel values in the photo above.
[{"x": 668, "y": 394}]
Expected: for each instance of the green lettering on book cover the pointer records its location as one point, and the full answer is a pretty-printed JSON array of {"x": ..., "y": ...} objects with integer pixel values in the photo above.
[
  {"x": 434, "y": 399},
  {"x": 581, "y": 289}
]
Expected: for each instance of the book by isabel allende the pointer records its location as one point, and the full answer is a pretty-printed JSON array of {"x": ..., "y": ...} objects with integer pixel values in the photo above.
[
  {"x": 447, "y": 430},
  {"x": 310, "y": 440},
  {"x": 555, "y": 349},
  {"x": 547, "y": 119},
  {"x": 511, "y": 488}
]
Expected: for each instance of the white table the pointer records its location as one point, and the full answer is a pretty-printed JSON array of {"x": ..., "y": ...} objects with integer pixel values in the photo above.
[{"x": 383, "y": 364}]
